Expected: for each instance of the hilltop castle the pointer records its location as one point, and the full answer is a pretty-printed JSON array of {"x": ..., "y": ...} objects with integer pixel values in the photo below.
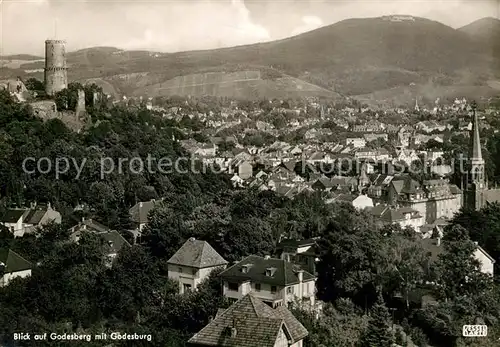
[{"x": 475, "y": 186}]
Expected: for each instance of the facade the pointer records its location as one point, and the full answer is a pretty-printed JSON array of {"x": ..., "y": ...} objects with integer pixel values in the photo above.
[
  {"x": 404, "y": 216},
  {"x": 242, "y": 168},
  {"x": 356, "y": 142},
  {"x": 12, "y": 265},
  {"x": 476, "y": 192},
  {"x": 23, "y": 220},
  {"x": 274, "y": 281},
  {"x": 193, "y": 263},
  {"x": 249, "y": 323},
  {"x": 56, "y": 70},
  {"x": 433, "y": 199}
]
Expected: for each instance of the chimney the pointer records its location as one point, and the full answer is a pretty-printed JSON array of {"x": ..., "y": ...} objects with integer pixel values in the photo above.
[
  {"x": 110, "y": 243},
  {"x": 233, "y": 328},
  {"x": 33, "y": 205},
  {"x": 49, "y": 206},
  {"x": 267, "y": 257},
  {"x": 83, "y": 219},
  {"x": 192, "y": 239}
]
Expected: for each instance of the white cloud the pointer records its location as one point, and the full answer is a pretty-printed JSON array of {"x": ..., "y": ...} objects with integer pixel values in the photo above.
[
  {"x": 167, "y": 26},
  {"x": 308, "y": 23}
]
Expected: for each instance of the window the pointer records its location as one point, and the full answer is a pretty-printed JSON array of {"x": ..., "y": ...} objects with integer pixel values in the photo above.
[
  {"x": 257, "y": 287},
  {"x": 187, "y": 288},
  {"x": 179, "y": 270},
  {"x": 273, "y": 289},
  {"x": 232, "y": 286},
  {"x": 194, "y": 271},
  {"x": 289, "y": 290}
]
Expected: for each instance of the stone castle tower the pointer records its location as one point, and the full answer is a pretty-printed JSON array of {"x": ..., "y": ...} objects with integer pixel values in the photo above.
[
  {"x": 476, "y": 189},
  {"x": 56, "y": 71}
]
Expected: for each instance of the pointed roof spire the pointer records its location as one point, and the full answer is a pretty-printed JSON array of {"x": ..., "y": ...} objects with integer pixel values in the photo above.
[{"x": 475, "y": 149}]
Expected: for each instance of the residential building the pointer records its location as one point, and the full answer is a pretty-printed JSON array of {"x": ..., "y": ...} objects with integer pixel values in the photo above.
[
  {"x": 356, "y": 142},
  {"x": 242, "y": 168},
  {"x": 249, "y": 323},
  {"x": 434, "y": 247},
  {"x": 404, "y": 216},
  {"x": 22, "y": 220},
  {"x": 193, "y": 263},
  {"x": 362, "y": 201},
  {"x": 87, "y": 225},
  {"x": 275, "y": 281},
  {"x": 12, "y": 265},
  {"x": 139, "y": 213},
  {"x": 113, "y": 243},
  {"x": 304, "y": 253},
  {"x": 374, "y": 137},
  {"x": 433, "y": 199}
]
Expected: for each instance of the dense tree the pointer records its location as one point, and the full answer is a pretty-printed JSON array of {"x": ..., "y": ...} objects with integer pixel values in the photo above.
[{"x": 378, "y": 333}]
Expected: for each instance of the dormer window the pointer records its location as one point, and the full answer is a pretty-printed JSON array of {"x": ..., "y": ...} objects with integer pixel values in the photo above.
[
  {"x": 270, "y": 271},
  {"x": 245, "y": 268}
]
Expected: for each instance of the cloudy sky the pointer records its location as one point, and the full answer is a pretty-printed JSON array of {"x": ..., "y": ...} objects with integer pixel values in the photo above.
[{"x": 179, "y": 25}]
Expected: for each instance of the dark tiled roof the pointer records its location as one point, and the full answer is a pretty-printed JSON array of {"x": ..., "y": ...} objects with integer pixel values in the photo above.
[
  {"x": 198, "y": 254},
  {"x": 290, "y": 165},
  {"x": 411, "y": 186},
  {"x": 115, "y": 241},
  {"x": 13, "y": 261},
  {"x": 140, "y": 211},
  {"x": 285, "y": 273},
  {"x": 398, "y": 186},
  {"x": 379, "y": 210},
  {"x": 12, "y": 215},
  {"x": 297, "y": 243},
  {"x": 255, "y": 323},
  {"x": 34, "y": 216},
  {"x": 92, "y": 225}
]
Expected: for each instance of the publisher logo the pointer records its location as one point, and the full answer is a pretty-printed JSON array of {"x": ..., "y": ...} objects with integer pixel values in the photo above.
[{"x": 474, "y": 330}]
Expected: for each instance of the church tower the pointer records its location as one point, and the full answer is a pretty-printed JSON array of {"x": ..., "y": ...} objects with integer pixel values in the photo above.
[{"x": 475, "y": 182}]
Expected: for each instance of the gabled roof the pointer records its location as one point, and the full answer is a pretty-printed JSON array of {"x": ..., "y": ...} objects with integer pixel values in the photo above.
[
  {"x": 115, "y": 242},
  {"x": 255, "y": 324},
  {"x": 410, "y": 186},
  {"x": 292, "y": 243},
  {"x": 197, "y": 254},
  {"x": 398, "y": 186},
  {"x": 285, "y": 273},
  {"x": 140, "y": 211},
  {"x": 91, "y": 225},
  {"x": 13, "y": 262},
  {"x": 13, "y": 215}
]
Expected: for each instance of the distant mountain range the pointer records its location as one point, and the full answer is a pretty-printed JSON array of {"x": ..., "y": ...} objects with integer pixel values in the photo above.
[{"x": 391, "y": 59}]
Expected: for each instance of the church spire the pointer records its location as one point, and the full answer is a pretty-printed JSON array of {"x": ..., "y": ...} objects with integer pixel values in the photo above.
[{"x": 475, "y": 148}]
